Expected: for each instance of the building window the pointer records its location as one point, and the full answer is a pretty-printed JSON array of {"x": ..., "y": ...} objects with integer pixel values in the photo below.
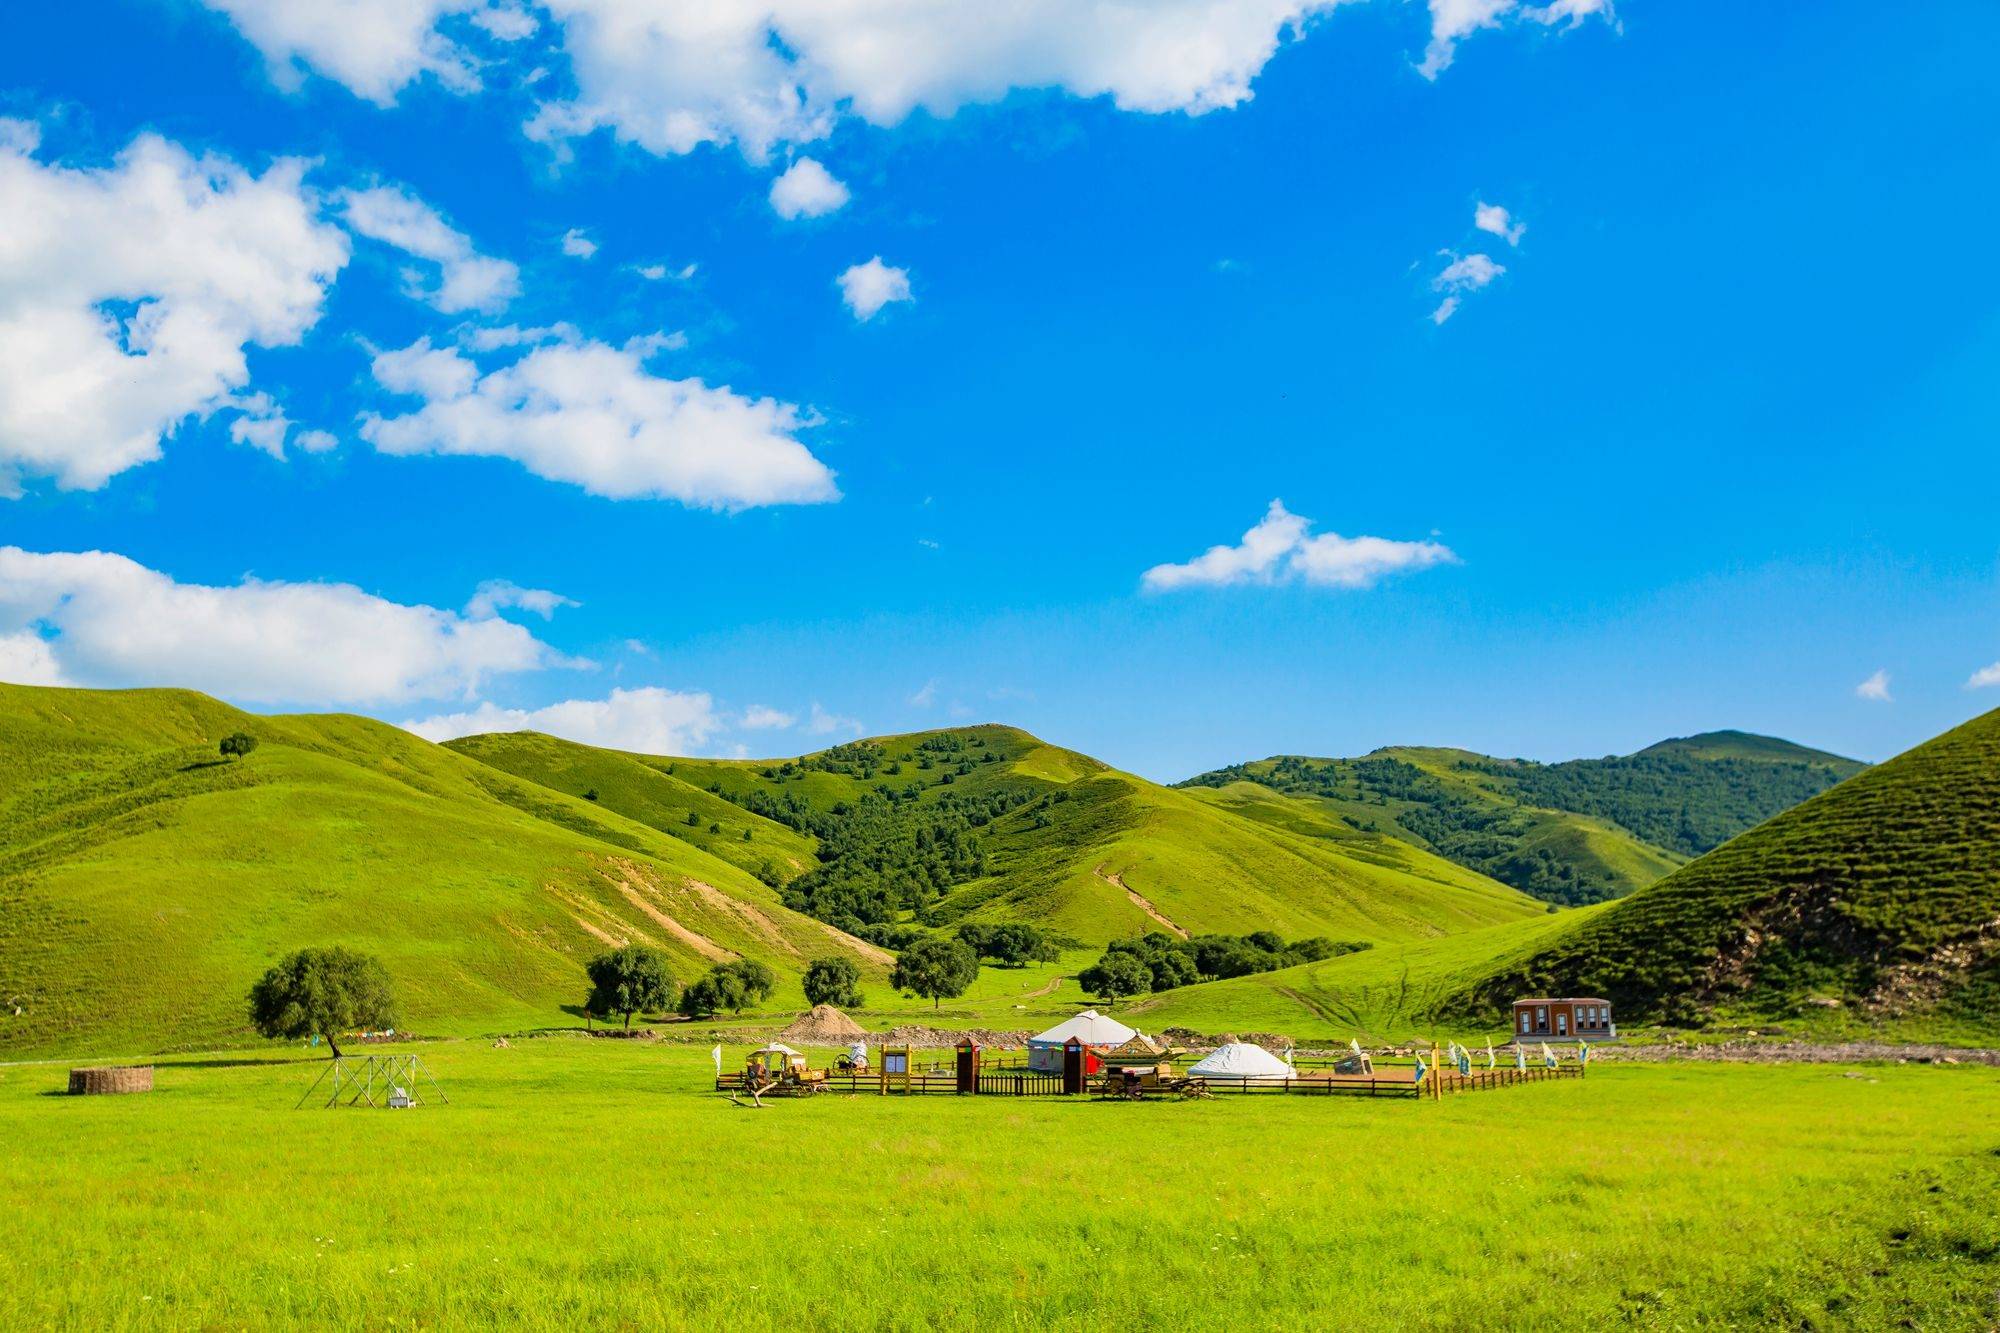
[{"x": 1524, "y": 1020}]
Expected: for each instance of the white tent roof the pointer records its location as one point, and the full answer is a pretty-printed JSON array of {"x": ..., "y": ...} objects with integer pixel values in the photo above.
[
  {"x": 1089, "y": 1027},
  {"x": 1239, "y": 1059},
  {"x": 775, "y": 1048}
]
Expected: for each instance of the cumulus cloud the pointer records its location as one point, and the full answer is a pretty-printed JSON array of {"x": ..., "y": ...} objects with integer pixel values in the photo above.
[
  {"x": 868, "y": 287},
  {"x": 592, "y": 415},
  {"x": 1281, "y": 549},
  {"x": 1495, "y": 219},
  {"x": 1876, "y": 687},
  {"x": 375, "y": 47},
  {"x": 1984, "y": 677},
  {"x": 1452, "y": 21},
  {"x": 807, "y": 190},
  {"x": 130, "y": 293},
  {"x": 649, "y": 720},
  {"x": 670, "y": 77},
  {"x": 106, "y": 620},
  {"x": 761, "y": 717},
  {"x": 1464, "y": 274},
  {"x": 465, "y": 279},
  {"x": 27, "y": 659},
  {"x": 496, "y": 595},
  {"x": 576, "y": 243}
]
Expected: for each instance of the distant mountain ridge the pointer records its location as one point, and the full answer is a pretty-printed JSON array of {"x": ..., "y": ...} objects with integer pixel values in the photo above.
[{"x": 1580, "y": 831}]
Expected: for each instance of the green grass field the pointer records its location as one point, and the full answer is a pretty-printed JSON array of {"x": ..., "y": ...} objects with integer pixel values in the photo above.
[{"x": 598, "y": 1184}]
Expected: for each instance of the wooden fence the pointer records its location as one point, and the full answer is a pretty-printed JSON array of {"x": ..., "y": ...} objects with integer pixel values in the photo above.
[{"x": 1018, "y": 1081}]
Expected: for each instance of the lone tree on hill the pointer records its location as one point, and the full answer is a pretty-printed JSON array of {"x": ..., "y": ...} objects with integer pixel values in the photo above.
[
  {"x": 935, "y": 969},
  {"x": 1115, "y": 976},
  {"x": 834, "y": 981},
  {"x": 631, "y": 980},
  {"x": 237, "y": 744},
  {"x": 323, "y": 993}
]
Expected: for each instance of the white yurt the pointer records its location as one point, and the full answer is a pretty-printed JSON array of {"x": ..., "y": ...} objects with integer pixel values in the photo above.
[
  {"x": 1239, "y": 1060},
  {"x": 1091, "y": 1028}
]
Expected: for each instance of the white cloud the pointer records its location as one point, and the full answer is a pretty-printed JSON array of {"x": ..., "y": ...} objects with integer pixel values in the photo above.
[
  {"x": 868, "y": 287},
  {"x": 649, "y": 720},
  {"x": 466, "y": 279},
  {"x": 1454, "y": 20},
  {"x": 1280, "y": 550},
  {"x": 27, "y": 659},
  {"x": 576, "y": 243},
  {"x": 1495, "y": 219},
  {"x": 130, "y": 293},
  {"x": 1876, "y": 687},
  {"x": 1465, "y": 273},
  {"x": 761, "y": 717},
  {"x": 823, "y": 723},
  {"x": 592, "y": 415},
  {"x": 670, "y": 77},
  {"x": 506, "y": 22},
  {"x": 496, "y": 595},
  {"x": 262, "y": 424},
  {"x": 317, "y": 441},
  {"x": 375, "y": 47},
  {"x": 107, "y": 620},
  {"x": 926, "y": 696},
  {"x": 807, "y": 190},
  {"x": 1984, "y": 677}
]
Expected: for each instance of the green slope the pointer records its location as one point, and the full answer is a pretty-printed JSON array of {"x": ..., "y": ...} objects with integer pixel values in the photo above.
[
  {"x": 144, "y": 883},
  {"x": 1581, "y": 831},
  {"x": 633, "y": 787},
  {"x": 1068, "y": 843},
  {"x": 1880, "y": 897}
]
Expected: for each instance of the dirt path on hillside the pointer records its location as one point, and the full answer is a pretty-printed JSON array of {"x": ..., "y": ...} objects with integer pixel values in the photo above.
[
  {"x": 640, "y": 889},
  {"x": 1140, "y": 901}
]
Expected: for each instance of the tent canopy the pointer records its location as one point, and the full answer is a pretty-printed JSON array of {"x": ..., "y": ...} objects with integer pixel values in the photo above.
[
  {"x": 1089, "y": 1027},
  {"x": 1239, "y": 1059},
  {"x": 775, "y": 1048}
]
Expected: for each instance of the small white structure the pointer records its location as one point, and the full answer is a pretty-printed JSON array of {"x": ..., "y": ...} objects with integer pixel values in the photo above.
[
  {"x": 1240, "y": 1061},
  {"x": 1097, "y": 1033}
]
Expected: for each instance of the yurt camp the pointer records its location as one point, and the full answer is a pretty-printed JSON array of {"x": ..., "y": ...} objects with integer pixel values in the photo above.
[
  {"x": 1097, "y": 1033},
  {"x": 1239, "y": 1061}
]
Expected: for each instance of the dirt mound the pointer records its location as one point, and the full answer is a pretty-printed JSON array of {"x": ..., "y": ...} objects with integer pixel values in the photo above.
[{"x": 823, "y": 1026}]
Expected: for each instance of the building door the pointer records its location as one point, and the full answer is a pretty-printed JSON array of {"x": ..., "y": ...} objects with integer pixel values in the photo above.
[{"x": 1562, "y": 1022}]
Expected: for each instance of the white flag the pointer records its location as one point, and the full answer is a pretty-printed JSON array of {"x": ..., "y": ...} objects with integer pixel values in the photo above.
[
  {"x": 1355, "y": 1044},
  {"x": 717, "y": 1053},
  {"x": 1491, "y": 1059},
  {"x": 1548, "y": 1056},
  {"x": 1520, "y": 1057}
]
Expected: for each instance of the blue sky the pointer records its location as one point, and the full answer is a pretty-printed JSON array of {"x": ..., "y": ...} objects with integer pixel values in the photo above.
[{"x": 1708, "y": 442}]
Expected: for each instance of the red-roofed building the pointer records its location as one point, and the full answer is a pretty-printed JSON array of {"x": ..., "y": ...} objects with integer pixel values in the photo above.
[{"x": 1585, "y": 1018}]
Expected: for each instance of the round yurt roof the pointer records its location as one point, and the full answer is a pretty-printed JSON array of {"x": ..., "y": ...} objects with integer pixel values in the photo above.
[
  {"x": 1089, "y": 1027},
  {"x": 1239, "y": 1059}
]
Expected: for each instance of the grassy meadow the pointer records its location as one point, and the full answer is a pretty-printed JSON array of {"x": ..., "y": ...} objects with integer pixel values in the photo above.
[{"x": 573, "y": 1183}]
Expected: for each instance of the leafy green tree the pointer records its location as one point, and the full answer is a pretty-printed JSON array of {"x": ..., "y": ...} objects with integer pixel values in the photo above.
[
  {"x": 733, "y": 986},
  {"x": 323, "y": 993},
  {"x": 1115, "y": 976},
  {"x": 755, "y": 980},
  {"x": 935, "y": 969},
  {"x": 834, "y": 981},
  {"x": 237, "y": 744},
  {"x": 630, "y": 980}
]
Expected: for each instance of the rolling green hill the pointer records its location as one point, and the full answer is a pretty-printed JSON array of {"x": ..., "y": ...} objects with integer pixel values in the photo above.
[
  {"x": 1879, "y": 899},
  {"x": 1581, "y": 831},
  {"x": 145, "y": 882},
  {"x": 1871, "y": 908},
  {"x": 991, "y": 824}
]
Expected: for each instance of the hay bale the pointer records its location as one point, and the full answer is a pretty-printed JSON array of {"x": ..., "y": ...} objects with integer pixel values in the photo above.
[
  {"x": 107, "y": 1079},
  {"x": 823, "y": 1026}
]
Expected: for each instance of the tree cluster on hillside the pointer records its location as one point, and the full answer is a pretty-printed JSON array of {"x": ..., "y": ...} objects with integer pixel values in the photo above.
[
  {"x": 1160, "y": 962},
  {"x": 733, "y": 986},
  {"x": 1012, "y": 944}
]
